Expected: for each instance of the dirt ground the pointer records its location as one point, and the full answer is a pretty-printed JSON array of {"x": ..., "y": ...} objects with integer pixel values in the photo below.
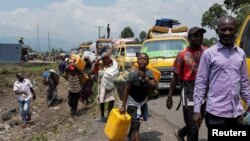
[{"x": 55, "y": 123}]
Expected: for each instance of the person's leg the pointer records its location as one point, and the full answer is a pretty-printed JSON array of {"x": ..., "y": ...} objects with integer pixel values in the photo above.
[
  {"x": 76, "y": 102},
  {"x": 82, "y": 94},
  {"x": 182, "y": 132},
  {"x": 70, "y": 102},
  {"x": 49, "y": 97},
  {"x": 26, "y": 109},
  {"x": 144, "y": 110},
  {"x": 75, "y": 98},
  {"x": 135, "y": 123},
  {"x": 102, "y": 106},
  {"x": 21, "y": 109},
  {"x": 193, "y": 131},
  {"x": 110, "y": 107},
  {"x": 90, "y": 86},
  {"x": 136, "y": 136},
  {"x": 55, "y": 95}
]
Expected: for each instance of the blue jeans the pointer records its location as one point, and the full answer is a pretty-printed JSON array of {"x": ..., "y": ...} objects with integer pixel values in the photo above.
[{"x": 24, "y": 109}]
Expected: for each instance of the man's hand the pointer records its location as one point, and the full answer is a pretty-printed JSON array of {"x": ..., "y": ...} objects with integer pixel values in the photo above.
[
  {"x": 169, "y": 102},
  {"x": 122, "y": 110},
  {"x": 197, "y": 119},
  {"x": 141, "y": 74},
  {"x": 34, "y": 97}
]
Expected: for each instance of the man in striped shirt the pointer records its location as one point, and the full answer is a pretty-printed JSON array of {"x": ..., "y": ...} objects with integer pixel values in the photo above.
[{"x": 73, "y": 77}]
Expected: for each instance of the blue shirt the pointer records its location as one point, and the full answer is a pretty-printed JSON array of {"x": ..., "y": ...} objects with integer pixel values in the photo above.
[{"x": 222, "y": 74}]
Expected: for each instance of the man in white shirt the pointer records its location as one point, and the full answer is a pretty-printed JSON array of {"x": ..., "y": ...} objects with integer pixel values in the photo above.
[{"x": 24, "y": 91}]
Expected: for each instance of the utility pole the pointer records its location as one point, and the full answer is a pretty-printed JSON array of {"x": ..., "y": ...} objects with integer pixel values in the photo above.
[
  {"x": 48, "y": 42},
  {"x": 99, "y": 30},
  {"x": 37, "y": 39}
]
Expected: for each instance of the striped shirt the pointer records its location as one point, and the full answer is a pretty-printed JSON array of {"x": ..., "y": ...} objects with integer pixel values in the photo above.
[{"x": 74, "y": 83}]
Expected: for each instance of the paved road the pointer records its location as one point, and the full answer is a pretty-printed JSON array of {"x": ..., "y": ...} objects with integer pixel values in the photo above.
[{"x": 172, "y": 116}]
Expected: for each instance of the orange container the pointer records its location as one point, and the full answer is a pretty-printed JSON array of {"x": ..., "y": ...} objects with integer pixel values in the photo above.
[
  {"x": 79, "y": 63},
  {"x": 156, "y": 73},
  {"x": 117, "y": 125}
]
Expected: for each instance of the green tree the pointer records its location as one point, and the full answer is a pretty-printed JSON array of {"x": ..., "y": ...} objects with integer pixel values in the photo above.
[
  {"x": 235, "y": 5},
  {"x": 239, "y": 8},
  {"x": 127, "y": 33},
  {"x": 209, "y": 18},
  {"x": 209, "y": 42},
  {"x": 143, "y": 36},
  {"x": 243, "y": 11}
]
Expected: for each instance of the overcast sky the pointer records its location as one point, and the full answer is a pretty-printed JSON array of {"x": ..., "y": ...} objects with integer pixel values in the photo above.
[{"x": 77, "y": 20}]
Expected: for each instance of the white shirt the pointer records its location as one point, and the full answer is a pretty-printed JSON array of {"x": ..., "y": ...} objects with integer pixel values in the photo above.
[{"x": 23, "y": 86}]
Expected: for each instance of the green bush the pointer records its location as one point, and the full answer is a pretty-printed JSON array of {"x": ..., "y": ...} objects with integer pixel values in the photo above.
[
  {"x": 39, "y": 137},
  {"x": 4, "y": 71}
]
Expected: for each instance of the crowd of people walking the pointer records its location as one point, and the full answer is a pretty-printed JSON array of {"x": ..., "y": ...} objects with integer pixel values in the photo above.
[{"x": 210, "y": 78}]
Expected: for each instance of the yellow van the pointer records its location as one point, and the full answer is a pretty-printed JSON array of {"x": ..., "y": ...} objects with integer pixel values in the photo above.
[
  {"x": 162, "y": 46},
  {"x": 162, "y": 52},
  {"x": 125, "y": 54},
  {"x": 243, "y": 41}
]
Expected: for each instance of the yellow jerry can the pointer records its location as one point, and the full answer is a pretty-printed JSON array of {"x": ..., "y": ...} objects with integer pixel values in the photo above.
[
  {"x": 156, "y": 73},
  {"x": 117, "y": 125},
  {"x": 79, "y": 63}
]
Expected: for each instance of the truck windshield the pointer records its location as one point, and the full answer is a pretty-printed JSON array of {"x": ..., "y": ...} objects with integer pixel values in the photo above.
[
  {"x": 132, "y": 50},
  {"x": 114, "y": 52},
  {"x": 164, "y": 48}
]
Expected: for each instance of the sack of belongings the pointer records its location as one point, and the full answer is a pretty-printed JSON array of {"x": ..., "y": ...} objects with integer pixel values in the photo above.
[{"x": 120, "y": 81}]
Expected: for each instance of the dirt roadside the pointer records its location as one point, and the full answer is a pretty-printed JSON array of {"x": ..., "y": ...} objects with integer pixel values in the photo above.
[{"x": 55, "y": 124}]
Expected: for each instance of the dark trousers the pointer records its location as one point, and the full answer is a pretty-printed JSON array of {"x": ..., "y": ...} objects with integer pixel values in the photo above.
[
  {"x": 110, "y": 107},
  {"x": 212, "y": 120},
  {"x": 73, "y": 99},
  {"x": 190, "y": 129}
]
